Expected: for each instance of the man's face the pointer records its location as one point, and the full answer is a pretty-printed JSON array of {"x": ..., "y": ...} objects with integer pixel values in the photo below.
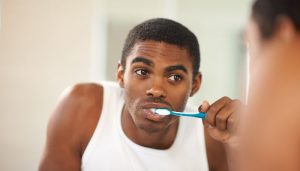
[{"x": 157, "y": 75}]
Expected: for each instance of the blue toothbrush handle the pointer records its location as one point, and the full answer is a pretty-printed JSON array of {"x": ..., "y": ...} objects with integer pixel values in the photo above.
[{"x": 196, "y": 115}]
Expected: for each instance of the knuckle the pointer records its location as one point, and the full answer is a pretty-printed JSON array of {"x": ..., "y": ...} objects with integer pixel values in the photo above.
[
  {"x": 220, "y": 118},
  {"x": 234, "y": 104},
  {"x": 221, "y": 124},
  {"x": 212, "y": 109},
  {"x": 231, "y": 121},
  {"x": 228, "y": 107},
  {"x": 226, "y": 98}
]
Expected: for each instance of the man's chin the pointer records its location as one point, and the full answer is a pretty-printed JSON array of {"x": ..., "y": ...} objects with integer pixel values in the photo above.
[{"x": 150, "y": 127}]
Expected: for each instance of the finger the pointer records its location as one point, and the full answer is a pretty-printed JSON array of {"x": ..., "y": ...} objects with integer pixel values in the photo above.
[
  {"x": 214, "y": 109},
  {"x": 221, "y": 120},
  {"x": 225, "y": 113},
  {"x": 204, "y": 106},
  {"x": 232, "y": 122}
]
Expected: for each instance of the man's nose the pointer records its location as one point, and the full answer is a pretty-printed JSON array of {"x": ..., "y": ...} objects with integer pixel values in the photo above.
[{"x": 156, "y": 89}]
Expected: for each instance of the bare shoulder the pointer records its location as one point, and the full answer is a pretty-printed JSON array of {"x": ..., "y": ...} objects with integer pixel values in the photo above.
[
  {"x": 82, "y": 98},
  {"x": 71, "y": 126},
  {"x": 83, "y": 105}
]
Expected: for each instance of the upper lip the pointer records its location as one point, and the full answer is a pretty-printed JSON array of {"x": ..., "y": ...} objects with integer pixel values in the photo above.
[{"x": 150, "y": 105}]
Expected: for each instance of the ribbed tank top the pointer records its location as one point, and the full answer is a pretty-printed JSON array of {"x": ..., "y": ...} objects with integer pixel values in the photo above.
[{"x": 110, "y": 149}]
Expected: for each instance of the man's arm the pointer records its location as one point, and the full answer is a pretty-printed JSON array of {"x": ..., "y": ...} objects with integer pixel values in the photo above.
[
  {"x": 220, "y": 132},
  {"x": 71, "y": 127},
  {"x": 216, "y": 155}
]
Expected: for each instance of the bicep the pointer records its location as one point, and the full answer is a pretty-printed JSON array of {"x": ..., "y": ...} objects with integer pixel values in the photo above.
[{"x": 59, "y": 160}]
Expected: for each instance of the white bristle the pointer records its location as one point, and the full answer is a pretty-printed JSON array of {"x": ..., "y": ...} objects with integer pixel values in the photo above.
[{"x": 162, "y": 111}]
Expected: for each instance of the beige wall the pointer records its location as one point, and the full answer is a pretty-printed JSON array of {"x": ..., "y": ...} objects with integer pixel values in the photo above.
[{"x": 46, "y": 45}]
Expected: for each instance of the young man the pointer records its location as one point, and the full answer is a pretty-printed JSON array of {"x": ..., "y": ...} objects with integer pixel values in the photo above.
[
  {"x": 271, "y": 138},
  {"x": 111, "y": 127}
]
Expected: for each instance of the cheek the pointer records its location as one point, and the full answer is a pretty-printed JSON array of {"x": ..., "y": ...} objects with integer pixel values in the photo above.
[
  {"x": 131, "y": 93},
  {"x": 134, "y": 91},
  {"x": 179, "y": 98}
]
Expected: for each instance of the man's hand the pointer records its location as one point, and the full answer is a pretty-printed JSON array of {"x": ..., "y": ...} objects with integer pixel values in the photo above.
[{"x": 222, "y": 119}]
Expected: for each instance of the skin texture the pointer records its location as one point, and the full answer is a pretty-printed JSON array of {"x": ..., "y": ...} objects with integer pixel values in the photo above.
[
  {"x": 271, "y": 123},
  {"x": 156, "y": 74}
]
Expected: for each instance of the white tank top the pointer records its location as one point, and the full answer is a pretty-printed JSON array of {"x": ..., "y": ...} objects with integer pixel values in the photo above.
[{"x": 110, "y": 149}]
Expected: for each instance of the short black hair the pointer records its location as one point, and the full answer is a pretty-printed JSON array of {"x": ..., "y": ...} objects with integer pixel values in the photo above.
[
  {"x": 267, "y": 12},
  {"x": 163, "y": 30}
]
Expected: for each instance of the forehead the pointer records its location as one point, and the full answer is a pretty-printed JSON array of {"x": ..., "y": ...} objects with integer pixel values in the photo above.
[{"x": 160, "y": 51}]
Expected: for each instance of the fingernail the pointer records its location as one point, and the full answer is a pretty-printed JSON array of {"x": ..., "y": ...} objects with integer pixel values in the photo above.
[{"x": 200, "y": 108}]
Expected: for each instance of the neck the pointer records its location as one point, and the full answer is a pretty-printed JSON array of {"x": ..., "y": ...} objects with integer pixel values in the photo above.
[{"x": 157, "y": 138}]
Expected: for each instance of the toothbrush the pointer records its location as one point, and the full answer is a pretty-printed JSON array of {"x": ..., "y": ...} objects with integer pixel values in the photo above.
[{"x": 165, "y": 111}]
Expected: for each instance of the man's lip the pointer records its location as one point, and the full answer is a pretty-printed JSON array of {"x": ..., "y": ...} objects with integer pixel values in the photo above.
[
  {"x": 156, "y": 106},
  {"x": 152, "y": 116}
]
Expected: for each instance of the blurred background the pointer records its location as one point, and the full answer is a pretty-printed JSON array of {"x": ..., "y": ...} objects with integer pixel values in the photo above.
[{"x": 48, "y": 45}]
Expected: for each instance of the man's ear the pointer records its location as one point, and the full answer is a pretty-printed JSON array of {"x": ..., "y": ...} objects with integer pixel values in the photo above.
[
  {"x": 196, "y": 84},
  {"x": 120, "y": 74}
]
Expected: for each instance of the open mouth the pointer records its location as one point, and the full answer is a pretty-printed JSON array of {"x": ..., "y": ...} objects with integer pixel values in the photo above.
[
  {"x": 152, "y": 116},
  {"x": 149, "y": 113}
]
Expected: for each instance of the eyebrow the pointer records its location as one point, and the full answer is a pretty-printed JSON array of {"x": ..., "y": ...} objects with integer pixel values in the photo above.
[
  {"x": 176, "y": 67},
  {"x": 150, "y": 63},
  {"x": 143, "y": 60}
]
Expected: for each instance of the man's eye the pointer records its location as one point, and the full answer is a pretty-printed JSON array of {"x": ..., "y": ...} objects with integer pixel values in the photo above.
[
  {"x": 175, "y": 78},
  {"x": 141, "y": 72}
]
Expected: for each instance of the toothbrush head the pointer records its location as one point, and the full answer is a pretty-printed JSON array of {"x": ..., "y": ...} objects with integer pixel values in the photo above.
[{"x": 161, "y": 111}]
